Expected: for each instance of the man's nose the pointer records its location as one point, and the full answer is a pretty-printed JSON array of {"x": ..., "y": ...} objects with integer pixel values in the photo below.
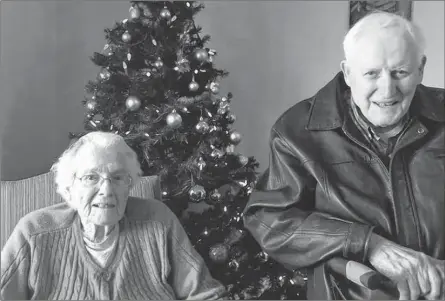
[
  {"x": 387, "y": 85},
  {"x": 105, "y": 187}
]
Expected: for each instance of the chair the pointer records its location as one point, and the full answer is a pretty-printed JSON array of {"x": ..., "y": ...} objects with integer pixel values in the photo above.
[{"x": 23, "y": 196}]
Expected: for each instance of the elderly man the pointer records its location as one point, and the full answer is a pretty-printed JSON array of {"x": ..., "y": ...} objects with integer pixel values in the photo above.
[
  {"x": 102, "y": 244},
  {"x": 357, "y": 171}
]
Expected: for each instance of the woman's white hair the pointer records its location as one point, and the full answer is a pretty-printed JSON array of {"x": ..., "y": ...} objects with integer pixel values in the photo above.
[
  {"x": 378, "y": 20},
  {"x": 65, "y": 167}
]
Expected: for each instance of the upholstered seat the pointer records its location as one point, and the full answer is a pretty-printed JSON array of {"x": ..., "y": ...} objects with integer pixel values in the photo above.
[{"x": 23, "y": 196}]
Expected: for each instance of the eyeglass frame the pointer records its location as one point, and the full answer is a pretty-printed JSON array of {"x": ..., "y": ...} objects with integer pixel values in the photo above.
[{"x": 102, "y": 179}]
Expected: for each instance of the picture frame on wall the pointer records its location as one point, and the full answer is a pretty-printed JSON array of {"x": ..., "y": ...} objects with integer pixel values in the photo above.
[{"x": 358, "y": 9}]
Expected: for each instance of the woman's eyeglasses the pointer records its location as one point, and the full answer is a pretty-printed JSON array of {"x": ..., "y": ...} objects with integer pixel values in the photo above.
[{"x": 94, "y": 179}]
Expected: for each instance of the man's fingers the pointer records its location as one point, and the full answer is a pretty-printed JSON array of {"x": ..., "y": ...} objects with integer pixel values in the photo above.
[
  {"x": 424, "y": 278},
  {"x": 435, "y": 284},
  {"x": 414, "y": 288},
  {"x": 404, "y": 293}
]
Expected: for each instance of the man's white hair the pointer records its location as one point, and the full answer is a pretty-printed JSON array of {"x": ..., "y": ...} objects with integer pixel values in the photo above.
[
  {"x": 380, "y": 20},
  {"x": 65, "y": 167}
]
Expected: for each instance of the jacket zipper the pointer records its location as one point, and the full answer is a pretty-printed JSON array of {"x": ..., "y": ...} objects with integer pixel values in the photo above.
[{"x": 386, "y": 171}]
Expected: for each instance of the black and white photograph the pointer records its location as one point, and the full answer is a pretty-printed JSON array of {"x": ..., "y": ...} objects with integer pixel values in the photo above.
[{"x": 222, "y": 150}]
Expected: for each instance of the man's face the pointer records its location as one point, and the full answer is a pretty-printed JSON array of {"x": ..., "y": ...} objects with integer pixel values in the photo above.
[
  {"x": 383, "y": 74},
  {"x": 102, "y": 203}
]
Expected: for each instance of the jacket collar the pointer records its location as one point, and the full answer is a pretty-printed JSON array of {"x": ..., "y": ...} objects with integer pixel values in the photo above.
[{"x": 328, "y": 105}]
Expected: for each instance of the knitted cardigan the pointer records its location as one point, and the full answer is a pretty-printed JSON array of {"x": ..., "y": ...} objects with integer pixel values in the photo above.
[{"x": 45, "y": 258}]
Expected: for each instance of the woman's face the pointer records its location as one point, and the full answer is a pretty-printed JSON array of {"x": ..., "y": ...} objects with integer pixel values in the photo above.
[{"x": 101, "y": 185}]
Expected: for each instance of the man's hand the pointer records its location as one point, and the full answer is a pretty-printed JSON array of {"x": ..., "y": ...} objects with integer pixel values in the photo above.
[{"x": 415, "y": 274}]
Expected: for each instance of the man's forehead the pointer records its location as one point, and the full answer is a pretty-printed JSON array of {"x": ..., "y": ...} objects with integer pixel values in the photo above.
[{"x": 380, "y": 45}]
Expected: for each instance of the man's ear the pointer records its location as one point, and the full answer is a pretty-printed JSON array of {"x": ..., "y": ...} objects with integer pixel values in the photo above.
[
  {"x": 422, "y": 68},
  {"x": 346, "y": 71}
]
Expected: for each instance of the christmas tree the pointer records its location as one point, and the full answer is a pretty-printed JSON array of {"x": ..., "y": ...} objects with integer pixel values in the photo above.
[{"x": 158, "y": 88}]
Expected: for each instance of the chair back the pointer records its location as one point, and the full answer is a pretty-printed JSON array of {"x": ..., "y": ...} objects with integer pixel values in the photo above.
[{"x": 20, "y": 197}]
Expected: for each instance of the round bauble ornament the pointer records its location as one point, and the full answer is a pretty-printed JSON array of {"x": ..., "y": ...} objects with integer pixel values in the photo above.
[
  {"x": 235, "y": 137},
  {"x": 243, "y": 160},
  {"x": 201, "y": 55},
  {"x": 104, "y": 74},
  {"x": 193, "y": 86},
  {"x": 133, "y": 103},
  {"x": 174, "y": 120},
  {"x": 165, "y": 14},
  {"x": 231, "y": 118},
  {"x": 91, "y": 105},
  {"x": 216, "y": 153},
  {"x": 135, "y": 13},
  {"x": 159, "y": 64},
  {"x": 202, "y": 127},
  {"x": 219, "y": 253},
  {"x": 197, "y": 193},
  {"x": 215, "y": 196},
  {"x": 214, "y": 87},
  {"x": 126, "y": 37},
  {"x": 221, "y": 111},
  {"x": 224, "y": 104}
]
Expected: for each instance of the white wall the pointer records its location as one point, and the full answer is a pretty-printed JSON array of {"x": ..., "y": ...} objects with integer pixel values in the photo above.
[{"x": 429, "y": 15}]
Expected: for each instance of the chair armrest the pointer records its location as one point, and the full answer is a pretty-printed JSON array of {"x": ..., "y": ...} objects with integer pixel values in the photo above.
[{"x": 362, "y": 275}]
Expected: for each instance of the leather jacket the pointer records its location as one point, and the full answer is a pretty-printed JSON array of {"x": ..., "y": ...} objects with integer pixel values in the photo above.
[{"x": 326, "y": 191}]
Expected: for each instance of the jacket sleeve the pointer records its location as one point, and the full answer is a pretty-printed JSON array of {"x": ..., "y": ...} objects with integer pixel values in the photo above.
[
  {"x": 282, "y": 218},
  {"x": 15, "y": 264},
  {"x": 189, "y": 275}
]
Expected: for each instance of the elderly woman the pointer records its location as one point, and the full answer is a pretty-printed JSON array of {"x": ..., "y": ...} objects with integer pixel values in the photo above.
[{"x": 101, "y": 243}]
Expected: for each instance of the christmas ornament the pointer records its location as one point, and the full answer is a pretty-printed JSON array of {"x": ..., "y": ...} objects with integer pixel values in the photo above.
[
  {"x": 202, "y": 127},
  {"x": 231, "y": 118},
  {"x": 224, "y": 104},
  {"x": 104, "y": 74},
  {"x": 201, "y": 163},
  {"x": 215, "y": 196},
  {"x": 126, "y": 37},
  {"x": 91, "y": 105},
  {"x": 263, "y": 256},
  {"x": 165, "y": 13},
  {"x": 107, "y": 50},
  {"x": 234, "y": 264},
  {"x": 174, "y": 120},
  {"x": 298, "y": 279},
  {"x": 134, "y": 13},
  {"x": 219, "y": 253},
  {"x": 133, "y": 103},
  {"x": 282, "y": 279},
  {"x": 235, "y": 137},
  {"x": 159, "y": 64},
  {"x": 243, "y": 160},
  {"x": 214, "y": 87},
  {"x": 221, "y": 111},
  {"x": 193, "y": 86},
  {"x": 146, "y": 11},
  {"x": 197, "y": 193},
  {"x": 201, "y": 55},
  {"x": 216, "y": 153}
]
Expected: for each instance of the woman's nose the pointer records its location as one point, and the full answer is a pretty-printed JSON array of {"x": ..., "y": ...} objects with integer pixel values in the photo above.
[{"x": 105, "y": 187}]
